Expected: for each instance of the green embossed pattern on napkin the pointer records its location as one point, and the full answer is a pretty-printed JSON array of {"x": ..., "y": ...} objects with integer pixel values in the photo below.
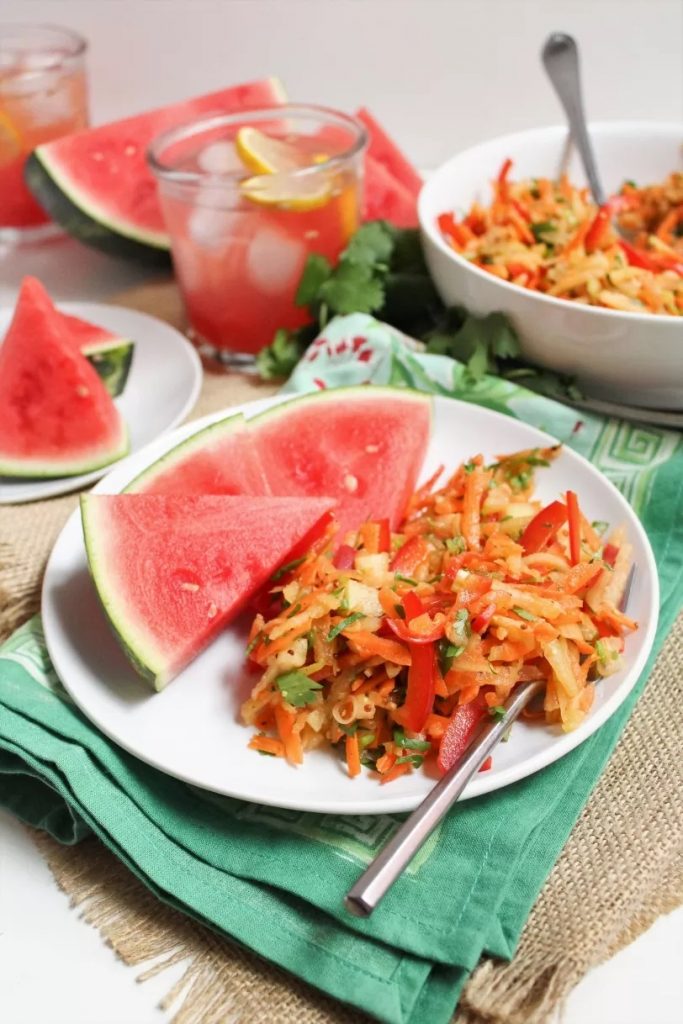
[{"x": 274, "y": 879}]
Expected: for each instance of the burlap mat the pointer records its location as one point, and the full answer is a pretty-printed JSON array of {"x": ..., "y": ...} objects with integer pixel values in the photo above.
[{"x": 621, "y": 868}]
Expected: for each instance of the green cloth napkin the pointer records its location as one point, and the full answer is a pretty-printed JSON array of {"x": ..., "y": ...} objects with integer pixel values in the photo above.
[{"x": 274, "y": 879}]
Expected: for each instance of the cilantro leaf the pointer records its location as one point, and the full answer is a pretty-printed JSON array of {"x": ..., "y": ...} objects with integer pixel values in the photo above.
[
  {"x": 372, "y": 245},
  {"x": 498, "y": 711},
  {"x": 316, "y": 271},
  {"x": 541, "y": 228},
  {"x": 524, "y": 614},
  {"x": 406, "y": 743},
  {"x": 287, "y": 567},
  {"x": 280, "y": 357},
  {"x": 447, "y": 653},
  {"x": 341, "y": 626},
  {"x": 352, "y": 288},
  {"x": 297, "y": 688}
]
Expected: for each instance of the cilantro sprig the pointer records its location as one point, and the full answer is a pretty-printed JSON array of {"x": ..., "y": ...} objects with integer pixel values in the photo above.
[
  {"x": 382, "y": 271},
  {"x": 297, "y": 688}
]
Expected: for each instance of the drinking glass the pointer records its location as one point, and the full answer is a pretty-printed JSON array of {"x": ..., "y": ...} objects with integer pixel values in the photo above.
[
  {"x": 240, "y": 241},
  {"x": 43, "y": 96}
]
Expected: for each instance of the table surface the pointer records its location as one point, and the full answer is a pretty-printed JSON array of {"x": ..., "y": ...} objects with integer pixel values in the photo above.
[{"x": 81, "y": 981}]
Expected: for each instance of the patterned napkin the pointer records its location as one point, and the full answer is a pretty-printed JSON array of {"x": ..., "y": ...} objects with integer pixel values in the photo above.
[{"x": 274, "y": 879}]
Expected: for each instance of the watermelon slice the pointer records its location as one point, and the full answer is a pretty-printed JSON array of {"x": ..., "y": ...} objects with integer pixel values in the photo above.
[
  {"x": 386, "y": 198},
  {"x": 363, "y": 446},
  {"x": 383, "y": 151},
  {"x": 96, "y": 183},
  {"x": 171, "y": 572},
  {"x": 221, "y": 459},
  {"x": 110, "y": 354},
  {"x": 56, "y": 417}
]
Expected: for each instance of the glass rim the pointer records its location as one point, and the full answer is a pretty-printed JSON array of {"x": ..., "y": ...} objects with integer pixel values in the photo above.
[
  {"x": 78, "y": 42},
  {"x": 218, "y": 118}
]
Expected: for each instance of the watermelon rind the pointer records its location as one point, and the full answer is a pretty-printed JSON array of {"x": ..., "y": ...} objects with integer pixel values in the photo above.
[
  {"x": 88, "y": 225},
  {"x": 112, "y": 360},
  {"x": 369, "y": 393},
  {"x": 42, "y": 469},
  {"x": 196, "y": 442},
  {"x": 148, "y": 662}
]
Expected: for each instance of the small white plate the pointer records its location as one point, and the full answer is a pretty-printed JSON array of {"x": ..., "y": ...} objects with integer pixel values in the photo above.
[
  {"x": 162, "y": 387},
  {"x": 191, "y": 730}
]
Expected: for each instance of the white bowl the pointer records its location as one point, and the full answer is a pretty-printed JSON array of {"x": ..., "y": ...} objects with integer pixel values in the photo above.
[{"x": 635, "y": 358}]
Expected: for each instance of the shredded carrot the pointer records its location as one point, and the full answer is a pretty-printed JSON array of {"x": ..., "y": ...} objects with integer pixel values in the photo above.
[
  {"x": 390, "y": 650},
  {"x": 395, "y": 773},
  {"x": 267, "y": 745},
  {"x": 352, "y": 755}
]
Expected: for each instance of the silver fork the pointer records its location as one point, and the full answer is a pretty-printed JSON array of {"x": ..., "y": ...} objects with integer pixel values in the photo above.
[{"x": 377, "y": 879}]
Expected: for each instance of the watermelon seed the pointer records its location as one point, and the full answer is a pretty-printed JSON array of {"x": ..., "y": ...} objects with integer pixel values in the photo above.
[
  {"x": 130, "y": 150},
  {"x": 351, "y": 483},
  {"x": 213, "y": 611},
  {"x": 192, "y": 587},
  {"x": 371, "y": 448},
  {"x": 82, "y": 391}
]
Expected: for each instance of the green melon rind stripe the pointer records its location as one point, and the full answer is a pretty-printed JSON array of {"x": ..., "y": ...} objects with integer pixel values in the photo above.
[
  {"x": 222, "y": 428},
  {"x": 155, "y": 239},
  {"x": 372, "y": 394},
  {"x": 46, "y": 470},
  {"x": 146, "y": 661},
  {"x": 111, "y": 360}
]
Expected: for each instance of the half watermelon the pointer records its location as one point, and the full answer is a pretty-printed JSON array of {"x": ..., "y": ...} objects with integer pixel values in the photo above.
[
  {"x": 110, "y": 354},
  {"x": 56, "y": 417},
  {"x": 363, "y": 446},
  {"x": 96, "y": 183},
  {"x": 220, "y": 459},
  {"x": 171, "y": 572}
]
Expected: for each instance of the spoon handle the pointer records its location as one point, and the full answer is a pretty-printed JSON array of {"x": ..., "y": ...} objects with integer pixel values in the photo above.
[
  {"x": 560, "y": 56},
  {"x": 365, "y": 894}
]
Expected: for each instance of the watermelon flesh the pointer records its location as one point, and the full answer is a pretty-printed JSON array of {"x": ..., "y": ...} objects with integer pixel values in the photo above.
[
  {"x": 56, "y": 417},
  {"x": 110, "y": 355},
  {"x": 383, "y": 150},
  {"x": 386, "y": 198},
  {"x": 171, "y": 571},
  {"x": 220, "y": 459},
  {"x": 362, "y": 446},
  {"x": 96, "y": 183}
]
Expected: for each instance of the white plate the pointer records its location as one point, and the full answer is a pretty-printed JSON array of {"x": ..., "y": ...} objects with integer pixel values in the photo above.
[
  {"x": 191, "y": 729},
  {"x": 162, "y": 387}
]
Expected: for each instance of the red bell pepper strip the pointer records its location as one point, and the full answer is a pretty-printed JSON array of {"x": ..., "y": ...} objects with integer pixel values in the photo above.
[
  {"x": 413, "y": 605},
  {"x": 646, "y": 261},
  {"x": 574, "y": 522},
  {"x": 543, "y": 527},
  {"x": 610, "y": 553},
  {"x": 459, "y": 732},
  {"x": 599, "y": 227},
  {"x": 408, "y": 557},
  {"x": 488, "y": 763},
  {"x": 458, "y": 233},
  {"x": 402, "y": 631},
  {"x": 505, "y": 170},
  {"x": 481, "y": 621},
  {"x": 421, "y": 687},
  {"x": 344, "y": 557}
]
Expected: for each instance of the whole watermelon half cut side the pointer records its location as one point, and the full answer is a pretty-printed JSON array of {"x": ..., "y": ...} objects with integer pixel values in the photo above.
[
  {"x": 220, "y": 459},
  {"x": 363, "y": 446},
  {"x": 386, "y": 198},
  {"x": 171, "y": 572},
  {"x": 96, "y": 183},
  {"x": 56, "y": 416},
  {"x": 109, "y": 354},
  {"x": 384, "y": 151}
]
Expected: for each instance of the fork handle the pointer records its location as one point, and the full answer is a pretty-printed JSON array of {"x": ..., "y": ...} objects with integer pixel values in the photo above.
[
  {"x": 365, "y": 894},
  {"x": 560, "y": 57}
]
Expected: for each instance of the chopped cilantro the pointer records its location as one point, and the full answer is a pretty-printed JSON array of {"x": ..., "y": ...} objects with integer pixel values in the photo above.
[
  {"x": 297, "y": 688},
  {"x": 600, "y": 526},
  {"x": 447, "y": 653},
  {"x": 253, "y": 642},
  {"x": 350, "y": 730},
  {"x": 405, "y": 579},
  {"x": 524, "y": 614},
  {"x": 461, "y": 625},
  {"x": 287, "y": 567},
  {"x": 542, "y": 228},
  {"x": 416, "y": 760},
  {"x": 498, "y": 711},
  {"x": 369, "y": 758},
  {"x": 406, "y": 743},
  {"x": 456, "y": 545},
  {"x": 341, "y": 626},
  {"x": 366, "y": 740},
  {"x": 469, "y": 467}
]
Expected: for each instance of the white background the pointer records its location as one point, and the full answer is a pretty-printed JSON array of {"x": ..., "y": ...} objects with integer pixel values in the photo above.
[{"x": 440, "y": 75}]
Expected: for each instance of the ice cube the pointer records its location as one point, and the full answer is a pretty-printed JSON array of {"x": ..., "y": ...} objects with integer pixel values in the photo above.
[
  {"x": 212, "y": 224},
  {"x": 219, "y": 158},
  {"x": 53, "y": 101},
  {"x": 275, "y": 261}
]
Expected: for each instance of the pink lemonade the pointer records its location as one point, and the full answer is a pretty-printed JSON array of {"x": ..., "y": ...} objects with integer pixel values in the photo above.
[
  {"x": 239, "y": 255},
  {"x": 42, "y": 97}
]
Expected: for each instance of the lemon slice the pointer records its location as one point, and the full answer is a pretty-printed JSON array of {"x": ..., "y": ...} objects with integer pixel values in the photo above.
[
  {"x": 10, "y": 139},
  {"x": 287, "y": 191},
  {"x": 262, "y": 154}
]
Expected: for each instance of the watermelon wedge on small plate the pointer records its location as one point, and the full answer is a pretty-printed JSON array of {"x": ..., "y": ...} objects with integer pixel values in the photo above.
[
  {"x": 191, "y": 730},
  {"x": 162, "y": 387}
]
